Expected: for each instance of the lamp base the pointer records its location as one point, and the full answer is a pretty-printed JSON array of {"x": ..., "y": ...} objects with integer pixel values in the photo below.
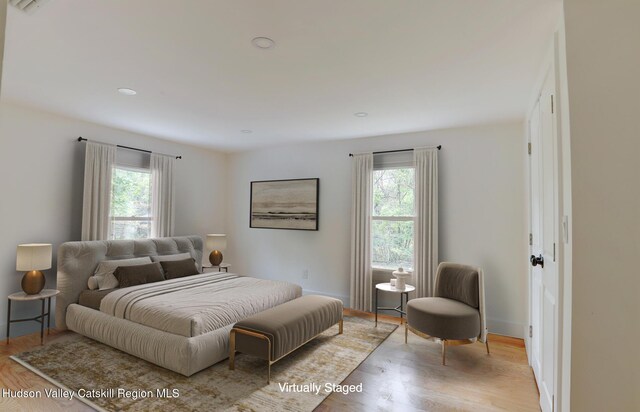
[
  {"x": 215, "y": 258},
  {"x": 33, "y": 282}
]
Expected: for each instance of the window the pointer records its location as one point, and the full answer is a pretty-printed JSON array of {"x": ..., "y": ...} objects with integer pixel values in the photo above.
[
  {"x": 393, "y": 218},
  {"x": 130, "y": 203}
]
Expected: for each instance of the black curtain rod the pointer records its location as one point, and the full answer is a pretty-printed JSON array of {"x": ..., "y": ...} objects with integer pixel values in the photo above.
[
  {"x": 397, "y": 151},
  {"x": 81, "y": 139}
]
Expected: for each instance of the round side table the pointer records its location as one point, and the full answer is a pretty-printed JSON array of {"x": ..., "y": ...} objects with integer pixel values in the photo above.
[
  {"x": 44, "y": 295},
  {"x": 404, "y": 298}
]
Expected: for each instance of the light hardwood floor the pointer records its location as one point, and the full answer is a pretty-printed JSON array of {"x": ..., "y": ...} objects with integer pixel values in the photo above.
[
  {"x": 395, "y": 377},
  {"x": 410, "y": 377}
]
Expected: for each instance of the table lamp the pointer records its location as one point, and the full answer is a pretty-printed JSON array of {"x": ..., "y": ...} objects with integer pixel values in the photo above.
[
  {"x": 32, "y": 258},
  {"x": 216, "y": 243}
]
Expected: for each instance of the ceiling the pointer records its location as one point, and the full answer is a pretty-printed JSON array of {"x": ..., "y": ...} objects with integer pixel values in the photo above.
[{"x": 410, "y": 64}]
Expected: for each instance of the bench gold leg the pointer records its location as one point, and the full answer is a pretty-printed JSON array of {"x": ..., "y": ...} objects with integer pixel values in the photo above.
[
  {"x": 444, "y": 351},
  {"x": 232, "y": 350},
  {"x": 406, "y": 332},
  {"x": 486, "y": 342},
  {"x": 340, "y": 327},
  {"x": 269, "y": 362}
]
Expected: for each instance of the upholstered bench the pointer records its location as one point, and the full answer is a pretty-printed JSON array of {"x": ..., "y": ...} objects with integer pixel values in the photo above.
[{"x": 278, "y": 331}]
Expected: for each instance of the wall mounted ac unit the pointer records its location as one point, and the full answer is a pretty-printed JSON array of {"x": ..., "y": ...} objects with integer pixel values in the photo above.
[{"x": 28, "y": 6}]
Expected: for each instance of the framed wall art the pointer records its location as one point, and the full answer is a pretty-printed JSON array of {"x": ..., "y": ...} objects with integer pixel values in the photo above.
[{"x": 285, "y": 204}]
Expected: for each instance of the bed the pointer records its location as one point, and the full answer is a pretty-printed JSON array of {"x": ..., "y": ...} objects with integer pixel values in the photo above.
[{"x": 180, "y": 324}]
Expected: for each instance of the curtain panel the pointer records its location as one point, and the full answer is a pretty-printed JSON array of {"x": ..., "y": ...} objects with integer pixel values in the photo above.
[
  {"x": 426, "y": 226},
  {"x": 163, "y": 195},
  {"x": 98, "y": 169},
  {"x": 361, "y": 209}
]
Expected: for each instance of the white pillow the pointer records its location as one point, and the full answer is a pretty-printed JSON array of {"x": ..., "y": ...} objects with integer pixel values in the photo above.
[
  {"x": 104, "y": 277},
  {"x": 109, "y": 281},
  {"x": 171, "y": 258},
  {"x": 93, "y": 283}
]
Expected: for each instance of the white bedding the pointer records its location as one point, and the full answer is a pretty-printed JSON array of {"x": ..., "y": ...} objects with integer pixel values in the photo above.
[{"x": 199, "y": 304}]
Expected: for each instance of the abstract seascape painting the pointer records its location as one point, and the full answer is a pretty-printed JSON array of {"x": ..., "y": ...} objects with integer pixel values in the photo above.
[{"x": 285, "y": 204}]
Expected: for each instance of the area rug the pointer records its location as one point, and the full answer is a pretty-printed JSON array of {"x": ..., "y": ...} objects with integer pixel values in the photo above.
[{"x": 101, "y": 376}]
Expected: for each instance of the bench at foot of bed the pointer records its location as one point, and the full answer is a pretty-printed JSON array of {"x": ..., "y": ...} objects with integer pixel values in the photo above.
[{"x": 276, "y": 332}]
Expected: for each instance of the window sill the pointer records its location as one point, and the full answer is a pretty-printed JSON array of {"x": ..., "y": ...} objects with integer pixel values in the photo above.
[{"x": 389, "y": 270}]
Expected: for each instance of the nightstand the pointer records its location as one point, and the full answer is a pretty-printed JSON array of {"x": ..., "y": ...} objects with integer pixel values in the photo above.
[
  {"x": 44, "y": 295},
  {"x": 223, "y": 267}
]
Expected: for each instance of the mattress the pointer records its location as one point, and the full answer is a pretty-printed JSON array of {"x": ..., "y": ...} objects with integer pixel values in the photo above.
[{"x": 195, "y": 305}]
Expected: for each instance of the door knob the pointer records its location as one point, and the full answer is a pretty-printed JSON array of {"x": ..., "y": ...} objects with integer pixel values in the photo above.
[{"x": 535, "y": 261}]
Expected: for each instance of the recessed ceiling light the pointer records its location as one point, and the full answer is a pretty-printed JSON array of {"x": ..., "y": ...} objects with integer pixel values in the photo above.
[
  {"x": 263, "y": 42},
  {"x": 361, "y": 114},
  {"x": 246, "y": 131},
  {"x": 127, "y": 92}
]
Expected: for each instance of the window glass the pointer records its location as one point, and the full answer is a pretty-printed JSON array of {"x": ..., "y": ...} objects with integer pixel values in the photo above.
[
  {"x": 393, "y": 218},
  {"x": 392, "y": 244},
  {"x": 131, "y": 203}
]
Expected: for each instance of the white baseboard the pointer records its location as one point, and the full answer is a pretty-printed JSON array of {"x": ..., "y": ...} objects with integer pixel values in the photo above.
[
  {"x": 505, "y": 328},
  {"x": 343, "y": 298}
]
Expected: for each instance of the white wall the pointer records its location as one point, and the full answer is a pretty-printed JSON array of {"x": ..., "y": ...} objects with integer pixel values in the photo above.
[
  {"x": 41, "y": 178},
  {"x": 3, "y": 23},
  {"x": 482, "y": 213},
  {"x": 563, "y": 399},
  {"x": 603, "y": 65}
]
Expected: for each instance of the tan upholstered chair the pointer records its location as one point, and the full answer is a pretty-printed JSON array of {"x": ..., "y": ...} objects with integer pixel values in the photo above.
[{"x": 455, "y": 315}]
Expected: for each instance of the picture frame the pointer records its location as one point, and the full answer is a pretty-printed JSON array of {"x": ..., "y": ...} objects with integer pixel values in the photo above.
[{"x": 289, "y": 204}]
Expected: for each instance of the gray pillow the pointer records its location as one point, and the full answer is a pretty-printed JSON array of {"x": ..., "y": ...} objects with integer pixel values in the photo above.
[
  {"x": 179, "y": 268},
  {"x": 139, "y": 274},
  {"x": 103, "y": 276},
  {"x": 167, "y": 258}
]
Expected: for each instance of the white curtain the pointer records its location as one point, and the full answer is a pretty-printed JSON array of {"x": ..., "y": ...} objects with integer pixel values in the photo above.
[
  {"x": 98, "y": 168},
  {"x": 361, "y": 209},
  {"x": 426, "y": 226},
  {"x": 163, "y": 195}
]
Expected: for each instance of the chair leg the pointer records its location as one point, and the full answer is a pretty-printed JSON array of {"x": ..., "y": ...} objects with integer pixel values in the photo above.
[
  {"x": 406, "y": 332},
  {"x": 444, "y": 351},
  {"x": 486, "y": 342}
]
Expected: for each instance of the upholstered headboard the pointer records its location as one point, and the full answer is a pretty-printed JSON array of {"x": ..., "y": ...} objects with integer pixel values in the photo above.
[{"x": 78, "y": 260}]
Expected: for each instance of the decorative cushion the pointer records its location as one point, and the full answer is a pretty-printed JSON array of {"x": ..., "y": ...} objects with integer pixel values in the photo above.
[
  {"x": 168, "y": 258},
  {"x": 92, "y": 283},
  {"x": 443, "y": 318},
  {"x": 179, "y": 268},
  {"x": 108, "y": 282},
  {"x": 139, "y": 274},
  {"x": 103, "y": 276}
]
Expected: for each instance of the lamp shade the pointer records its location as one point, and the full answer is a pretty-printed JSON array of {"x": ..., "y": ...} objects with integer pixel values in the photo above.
[
  {"x": 33, "y": 256},
  {"x": 217, "y": 242}
]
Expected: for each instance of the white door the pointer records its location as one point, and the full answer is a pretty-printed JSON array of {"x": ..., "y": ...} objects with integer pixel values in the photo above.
[
  {"x": 544, "y": 234},
  {"x": 535, "y": 168}
]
